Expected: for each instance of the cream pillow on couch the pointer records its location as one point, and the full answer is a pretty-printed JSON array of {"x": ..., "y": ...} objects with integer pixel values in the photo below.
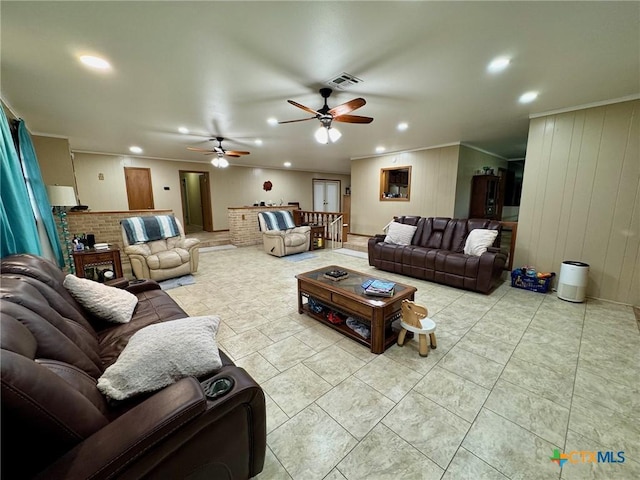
[
  {"x": 161, "y": 354},
  {"x": 479, "y": 240},
  {"x": 108, "y": 303},
  {"x": 400, "y": 233}
]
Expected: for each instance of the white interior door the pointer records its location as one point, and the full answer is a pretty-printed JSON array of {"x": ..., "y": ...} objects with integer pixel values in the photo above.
[{"x": 326, "y": 195}]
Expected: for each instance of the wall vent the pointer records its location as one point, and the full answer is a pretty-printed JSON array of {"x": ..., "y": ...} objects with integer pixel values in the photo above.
[{"x": 343, "y": 81}]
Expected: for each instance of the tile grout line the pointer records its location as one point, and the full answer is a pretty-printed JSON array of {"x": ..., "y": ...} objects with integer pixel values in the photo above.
[{"x": 487, "y": 398}]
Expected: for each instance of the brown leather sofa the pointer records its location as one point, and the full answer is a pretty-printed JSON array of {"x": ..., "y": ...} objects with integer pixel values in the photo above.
[
  {"x": 436, "y": 253},
  {"x": 57, "y": 425}
]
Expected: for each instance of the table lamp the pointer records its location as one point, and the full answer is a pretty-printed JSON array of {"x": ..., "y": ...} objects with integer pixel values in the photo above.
[{"x": 61, "y": 197}]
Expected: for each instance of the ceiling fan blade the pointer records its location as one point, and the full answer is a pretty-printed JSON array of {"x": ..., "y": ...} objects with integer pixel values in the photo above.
[
  {"x": 231, "y": 154},
  {"x": 353, "y": 119},
  {"x": 236, "y": 153},
  {"x": 306, "y": 109},
  {"x": 195, "y": 149},
  {"x": 347, "y": 107},
  {"x": 300, "y": 120}
]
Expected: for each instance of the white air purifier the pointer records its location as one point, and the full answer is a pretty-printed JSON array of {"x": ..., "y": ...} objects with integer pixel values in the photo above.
[{"x": 572, "y": 283}]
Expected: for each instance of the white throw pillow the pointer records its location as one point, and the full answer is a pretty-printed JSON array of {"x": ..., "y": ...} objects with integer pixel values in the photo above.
[
  {"x": 105, "y": 302},
  {"x": 400, "y": 234},
  {"x": 161, "y": 354},
  {"x": 479, "y": 240}
]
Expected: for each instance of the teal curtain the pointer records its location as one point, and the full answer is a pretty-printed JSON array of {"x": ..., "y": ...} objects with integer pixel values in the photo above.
[
  {"x": 32, "y": 172},
  {"x": 18, "y": 225}
]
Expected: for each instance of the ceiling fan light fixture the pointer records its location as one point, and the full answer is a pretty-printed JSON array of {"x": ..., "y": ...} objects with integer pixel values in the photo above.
[
  {"x": 322, "y": 135},
  {"x": 334, "y": 134},
  {"x": 219, "y": 162}
]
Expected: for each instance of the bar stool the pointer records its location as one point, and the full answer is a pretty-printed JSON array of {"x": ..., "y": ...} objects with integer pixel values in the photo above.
[{"x": 414, "y": 319}]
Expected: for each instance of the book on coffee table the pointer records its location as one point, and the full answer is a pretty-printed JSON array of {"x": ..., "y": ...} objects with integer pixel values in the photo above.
[{"x": 380, "y": 288}]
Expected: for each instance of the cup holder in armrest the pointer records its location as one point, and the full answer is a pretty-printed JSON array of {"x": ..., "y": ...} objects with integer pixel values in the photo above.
[{"x": 217, "y": 387}]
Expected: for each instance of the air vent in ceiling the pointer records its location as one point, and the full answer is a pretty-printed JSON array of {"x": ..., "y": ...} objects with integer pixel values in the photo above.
[{"x": 343, "y": 81}]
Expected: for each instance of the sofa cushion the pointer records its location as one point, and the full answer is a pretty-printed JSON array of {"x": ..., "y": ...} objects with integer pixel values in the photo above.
[
  {"x": 154, "y": 359},
  {"x": 294, "y": 239},
  {"x": 105, "y": 302},
  {"x": 479, "y": 240},
  {"x": 168, "y": 259},
  {"x": 400, "y": 233}
]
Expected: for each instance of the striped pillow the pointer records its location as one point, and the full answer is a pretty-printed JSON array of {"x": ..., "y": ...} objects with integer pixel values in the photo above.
[
  {"x": 146, "y": 229},
  {"x": 278, "y": 220}
]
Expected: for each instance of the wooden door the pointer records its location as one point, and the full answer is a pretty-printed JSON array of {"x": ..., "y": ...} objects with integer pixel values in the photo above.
[
  {"x": 205, "y": 197},
  {"x": 139, "y": 190}
]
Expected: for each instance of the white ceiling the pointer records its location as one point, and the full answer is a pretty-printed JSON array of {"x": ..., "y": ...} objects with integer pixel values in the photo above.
[{"x": 223, "y": 68}]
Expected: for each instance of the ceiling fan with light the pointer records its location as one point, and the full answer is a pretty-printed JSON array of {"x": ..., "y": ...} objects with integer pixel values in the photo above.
[
  {"x": 219, "y": 160},
  {"x": 327, "y": 115}
]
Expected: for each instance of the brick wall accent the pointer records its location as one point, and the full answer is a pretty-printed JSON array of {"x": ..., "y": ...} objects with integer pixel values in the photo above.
[
  {"x": 244, "y": 229},
  {"x": 106, "y": 227}
]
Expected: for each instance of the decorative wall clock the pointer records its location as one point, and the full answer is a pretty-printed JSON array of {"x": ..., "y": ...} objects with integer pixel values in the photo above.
[{"x": 266, "y": 186}]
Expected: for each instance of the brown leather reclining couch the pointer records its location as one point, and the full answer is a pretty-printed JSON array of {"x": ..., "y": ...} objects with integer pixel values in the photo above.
[
  {"x": 57, "y": 425},
  {"x": 437, "y": 253}
]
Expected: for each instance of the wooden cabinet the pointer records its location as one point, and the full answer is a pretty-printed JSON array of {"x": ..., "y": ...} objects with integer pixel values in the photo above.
[
  {"x": 346, "y": 212},
  {"x": 89, "y": 263},
  {"x": 486, "y": 197}
]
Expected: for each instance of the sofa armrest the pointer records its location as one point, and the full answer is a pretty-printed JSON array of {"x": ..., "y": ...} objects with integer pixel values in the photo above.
[
  {"x": 174, "y": 432},
  {"x": 273, "y": 234},
  {"x": 188, "y": 243},
  {"x": 142, "y": 285},
  {"x": 113, "y": 447},
  {"x": 120, "y": 282}
]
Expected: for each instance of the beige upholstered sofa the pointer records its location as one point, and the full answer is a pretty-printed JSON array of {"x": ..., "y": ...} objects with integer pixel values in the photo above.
[
  {"x": 280, "y": 236},
  {"x": 159, "y": 254}
]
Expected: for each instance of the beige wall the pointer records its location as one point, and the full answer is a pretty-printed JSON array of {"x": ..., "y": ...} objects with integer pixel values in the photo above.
[
  {"x": 54, "y": 158},
  {"x": 230, "y": 187},
  {"x": 433, "y": 186},
  {"x": 469, "y": 161},
  {"x": 581, "y": 197}
]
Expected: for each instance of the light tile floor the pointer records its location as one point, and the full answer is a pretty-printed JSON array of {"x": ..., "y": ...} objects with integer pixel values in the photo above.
[{"x": 516, "y": 375}]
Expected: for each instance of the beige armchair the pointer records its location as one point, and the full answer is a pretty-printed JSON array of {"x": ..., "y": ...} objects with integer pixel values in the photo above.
[
  {"x": 280, "y": 236},
  {"x": 157, "y": 247}
]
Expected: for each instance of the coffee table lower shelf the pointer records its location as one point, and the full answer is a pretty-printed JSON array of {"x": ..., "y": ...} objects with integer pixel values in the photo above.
[{"x": 390, "y": 335}]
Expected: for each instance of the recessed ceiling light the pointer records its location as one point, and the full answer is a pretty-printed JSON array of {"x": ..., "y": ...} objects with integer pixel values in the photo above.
[
  {"x": 287, "y": 164},
  {"x": 402, "y": 126},
  {"x": 95, "y": 62},
  {"x": 498, "y": 64},
  {"x": 135, "y": 149},
  {"x": 184, "y": 130},
  {"x": 272, "y": 121},
  {"x": 258, "y": 142},
  {"x": 380, "y": 149},
  {"x": 528, "y": 97}
]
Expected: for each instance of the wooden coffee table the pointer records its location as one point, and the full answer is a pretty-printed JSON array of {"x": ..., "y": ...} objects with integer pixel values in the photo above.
[{"x": 347, "y": 297}]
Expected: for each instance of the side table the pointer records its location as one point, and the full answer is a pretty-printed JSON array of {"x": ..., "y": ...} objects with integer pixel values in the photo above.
[
  {"x": 94, "y": 259},
  {"x": 317, "y": 237}
]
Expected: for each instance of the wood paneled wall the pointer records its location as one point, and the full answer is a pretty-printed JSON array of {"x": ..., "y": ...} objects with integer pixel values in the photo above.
[
  {"x": 581, "y": 197},
  {"x": 433, "y": 187}
]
